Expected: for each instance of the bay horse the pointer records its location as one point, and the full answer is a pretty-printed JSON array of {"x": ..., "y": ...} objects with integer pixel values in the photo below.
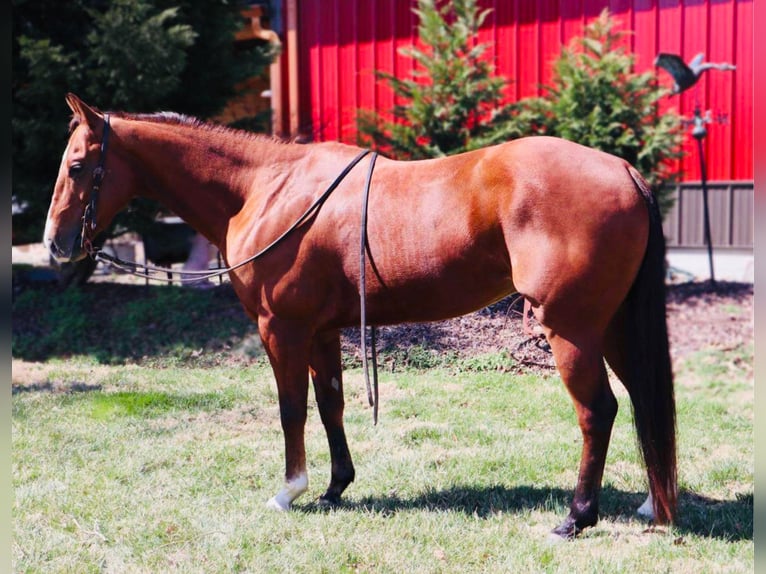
[{"x": 576, "y": 231}]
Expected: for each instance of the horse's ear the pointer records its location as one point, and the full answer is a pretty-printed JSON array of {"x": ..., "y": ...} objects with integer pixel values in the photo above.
[
  {"x": 73, "y": 102},
  {"x": 79, "y": 108}
]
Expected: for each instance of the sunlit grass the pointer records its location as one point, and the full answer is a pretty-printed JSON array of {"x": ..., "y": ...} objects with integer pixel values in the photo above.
[{"x": 126, "y": 468}]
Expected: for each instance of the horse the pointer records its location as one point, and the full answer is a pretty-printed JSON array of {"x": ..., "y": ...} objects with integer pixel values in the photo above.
[{"x": 577, "y": 232}]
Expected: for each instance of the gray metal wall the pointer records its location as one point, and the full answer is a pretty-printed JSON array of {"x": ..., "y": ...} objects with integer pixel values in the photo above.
[{"x": 731, "y": 215}]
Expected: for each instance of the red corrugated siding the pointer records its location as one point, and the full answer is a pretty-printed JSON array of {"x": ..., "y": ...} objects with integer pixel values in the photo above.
[
  {"x": 742, "y": 104},
  {"x": 342, "y": 42}
]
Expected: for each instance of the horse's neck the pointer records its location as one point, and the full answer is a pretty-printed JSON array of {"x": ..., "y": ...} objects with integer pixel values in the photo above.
[{"x": 204, "y": 176}]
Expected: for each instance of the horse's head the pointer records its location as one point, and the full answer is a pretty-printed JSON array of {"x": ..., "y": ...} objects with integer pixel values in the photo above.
[{"x": 80, "y": 208}]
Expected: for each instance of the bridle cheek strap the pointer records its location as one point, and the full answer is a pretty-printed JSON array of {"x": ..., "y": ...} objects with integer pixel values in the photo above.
[{"x": 89, "y": 215}]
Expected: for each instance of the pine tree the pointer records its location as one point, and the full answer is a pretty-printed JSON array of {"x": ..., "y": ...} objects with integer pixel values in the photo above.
[
  {"x": 451, "y": 101},
  {"x": 133, "y": 55}
]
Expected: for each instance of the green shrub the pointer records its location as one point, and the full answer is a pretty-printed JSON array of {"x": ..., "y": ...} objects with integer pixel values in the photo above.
[{"x": 597, "y": 100}]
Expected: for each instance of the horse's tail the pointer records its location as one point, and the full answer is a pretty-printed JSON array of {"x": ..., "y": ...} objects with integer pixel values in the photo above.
[{"x": 650, "y": 370}]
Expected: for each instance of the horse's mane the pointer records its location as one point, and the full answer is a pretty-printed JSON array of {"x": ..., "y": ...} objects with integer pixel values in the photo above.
[{"x": 174, "y": 118}]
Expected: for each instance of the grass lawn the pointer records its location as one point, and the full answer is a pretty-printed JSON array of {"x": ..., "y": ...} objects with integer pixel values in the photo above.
[{"x": 166, "y": 468}]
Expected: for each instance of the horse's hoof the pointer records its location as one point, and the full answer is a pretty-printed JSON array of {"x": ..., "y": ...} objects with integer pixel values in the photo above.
[
  {"x": 293, "y": 489},
  {"x": 646, "y": 510},
  {"x": 563, "y": 532},
  {"x": 570, "y": 529},
  {"x": 329, "y": 500},
  {"x": 555, "y": 539},
  {"x": 275, "y": 504}
]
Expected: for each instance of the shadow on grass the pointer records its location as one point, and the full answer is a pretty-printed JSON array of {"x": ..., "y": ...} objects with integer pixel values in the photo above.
[
  {"x": 115, "y": 323},
  {"x": 698, "y": 515},
  {"x": 52, "y": 387}
]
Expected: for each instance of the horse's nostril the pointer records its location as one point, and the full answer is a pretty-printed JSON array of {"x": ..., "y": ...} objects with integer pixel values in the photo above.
[{"x": 54, "y": 249}]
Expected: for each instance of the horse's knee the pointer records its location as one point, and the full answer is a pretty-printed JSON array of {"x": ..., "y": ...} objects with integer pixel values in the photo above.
[
  {"x": 293, "y": 419},
  {"x": 327, "y": 376},
  {"x": 330, "y": 401}
]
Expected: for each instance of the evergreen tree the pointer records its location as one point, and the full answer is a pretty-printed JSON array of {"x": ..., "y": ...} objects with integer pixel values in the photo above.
[
  {"x": 452, "y": 100},
  {"x": 453, "y": 103},
  {"x": 133, "y": 55}
]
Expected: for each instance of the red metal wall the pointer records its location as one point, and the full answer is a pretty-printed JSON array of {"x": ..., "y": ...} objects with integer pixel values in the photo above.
[{"x": 341, "y": 42}]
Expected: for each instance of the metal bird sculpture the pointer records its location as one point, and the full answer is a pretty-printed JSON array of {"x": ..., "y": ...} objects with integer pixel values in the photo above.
[{"x": 686, "y": 75}]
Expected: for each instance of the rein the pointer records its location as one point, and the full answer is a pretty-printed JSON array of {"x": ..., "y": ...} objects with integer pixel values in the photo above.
[
  {"x": 130, "y": 266},
  {"x": 89, "y": 226},
  {"x": 365, "y": 245}
]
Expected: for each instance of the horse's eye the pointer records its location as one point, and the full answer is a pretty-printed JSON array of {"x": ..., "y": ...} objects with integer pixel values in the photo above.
[{"x": 75, "y": 169}]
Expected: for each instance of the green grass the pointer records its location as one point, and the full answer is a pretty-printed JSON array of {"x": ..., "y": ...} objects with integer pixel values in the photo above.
[
  {"x": 146, "y": 438},
  {"x": 134, "y": 468}
]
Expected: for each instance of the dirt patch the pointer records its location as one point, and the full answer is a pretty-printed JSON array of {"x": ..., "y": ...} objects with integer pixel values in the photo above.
[
  {"x": 699, "y": 317},
  {"x": 31, "y": 376},
  {"x": 28, "y": 373}
]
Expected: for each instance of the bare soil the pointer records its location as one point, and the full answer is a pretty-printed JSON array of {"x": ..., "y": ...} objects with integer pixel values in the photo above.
[{"x": 700, "y": 317}]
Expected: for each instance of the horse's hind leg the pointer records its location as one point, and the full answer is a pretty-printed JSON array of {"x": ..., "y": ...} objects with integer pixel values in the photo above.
[
  {"x": 327, "y": 375},
  {"x": 580, "y": 363}
]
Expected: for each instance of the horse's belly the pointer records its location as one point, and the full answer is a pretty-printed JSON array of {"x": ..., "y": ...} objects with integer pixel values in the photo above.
[{"x": 432, "y": 297}]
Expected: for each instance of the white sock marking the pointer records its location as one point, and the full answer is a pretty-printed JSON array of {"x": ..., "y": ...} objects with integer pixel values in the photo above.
[
  {"x": 291, "y": 490},
  {"x": 646, "y": 510}
]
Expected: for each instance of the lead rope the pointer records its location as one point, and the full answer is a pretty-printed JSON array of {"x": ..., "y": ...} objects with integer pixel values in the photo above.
[
  {"x": 372, "y": 395},
  {"x": 194, "y": 276}
]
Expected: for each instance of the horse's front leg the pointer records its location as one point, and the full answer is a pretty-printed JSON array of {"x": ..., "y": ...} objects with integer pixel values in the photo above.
[
  {"x": 327, "y": 375},
  {"x": 287, "y": 344}
]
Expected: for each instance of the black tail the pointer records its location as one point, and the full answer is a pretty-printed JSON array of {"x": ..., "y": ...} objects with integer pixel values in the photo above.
[{"x": 651, "y": 385}]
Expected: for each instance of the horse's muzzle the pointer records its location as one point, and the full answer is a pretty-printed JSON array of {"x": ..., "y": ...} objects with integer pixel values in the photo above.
[{"x": 65, "y": 251}]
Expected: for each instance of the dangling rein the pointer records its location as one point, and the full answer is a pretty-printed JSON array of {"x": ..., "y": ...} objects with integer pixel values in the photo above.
[{"x": 131, "y": 266}]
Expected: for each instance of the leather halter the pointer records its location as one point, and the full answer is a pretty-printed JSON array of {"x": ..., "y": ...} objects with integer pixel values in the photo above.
[{"x": 89, "y": 215}]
